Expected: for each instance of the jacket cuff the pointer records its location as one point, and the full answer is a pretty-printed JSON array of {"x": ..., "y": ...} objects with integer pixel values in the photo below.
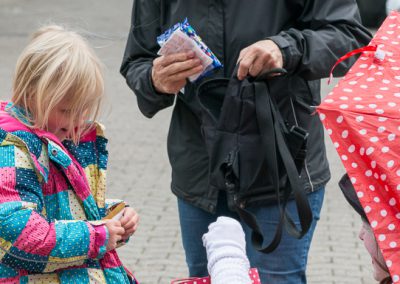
[
  {"x": 100, "y": 242},
  {"x": 288, "y": 51}
]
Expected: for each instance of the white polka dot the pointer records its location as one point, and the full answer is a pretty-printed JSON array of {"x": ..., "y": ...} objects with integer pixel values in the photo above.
[
  {"x": 381, "y": 237},
  {"x": 396, "y": 95},
  {"x": 370, "y": 150},
  {"x": 389, "y": 263},
  {"x": 374, "y": 224},
  {"x": 377, "y": 199},
  {"x": 392, "y": 104},
  {"x": 374, "y": 139},
  {"x": 359, "y": 74},
  {"x": 352, "y": 148},
  {"x": 390, "y": 163},
  {"x": 336, "y": 144},
  {"x": 363, "y": 86},
  {"x": 391, "y": 136},
  {"x": 344, "y": 106},
  {"x": 381, "y": 129},
  {"x": 382, "y": 119},
  {"x": 379, "y": 96},
  {"x": 329, "y": 131},
  {"x": 367, "y": 209},
  {"x": 354, "y": 165},
  {"x": 383, "y": 177},
  {"x": 380, "y": 111},
  {"x": 357, "y": 99},
  {"x": 328, "y": 101},
  {"x": 372, "y": 105},
  {"x": 363, "y": 66},
  {"x": 373, "y": 164},
  {"x": 395, "y": 278},
  {"x": 398, "y": 215},
  {"x": 370, "y": 79},
  {"x": 392, "y": 202},
  {"x": 368, "y": 173},
  {"x": 347, "y": 90},
  {"x": 384, "y": 88},
  {"x": 345, "y": 134},
  {"x": 362, "y": 151},
  {"x": 393, "y": 244},
  {"x": 359, "y": 107},
  {"x": 385, "y": 149},
  {"x": 383, "y": 213},
  {"x": 353, "y": 180},
  {"x": 344, "y": 158},
  {"x": 363, "y": 131},
  {"x": 359, "y": 118},
  {"x": 353, "y": 83},
  {"x": 339, "y": 119},
  {"x": 391, "y": 227},
  {"x": 360, "y": 194},
  {"x": 371, "y": 187},
  {"x": 385, "y": 81},
  {"x": 322, "y": 116}
]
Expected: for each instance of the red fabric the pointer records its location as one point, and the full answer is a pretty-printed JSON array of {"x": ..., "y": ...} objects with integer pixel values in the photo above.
[
  {"x": 362, "y": 117},
  {"x": 206, "y": 280}
]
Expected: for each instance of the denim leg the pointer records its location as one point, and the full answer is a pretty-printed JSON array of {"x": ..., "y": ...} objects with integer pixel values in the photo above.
[
  {"x": 287, "y": 264},
  {"x": 194, "y": 223}
]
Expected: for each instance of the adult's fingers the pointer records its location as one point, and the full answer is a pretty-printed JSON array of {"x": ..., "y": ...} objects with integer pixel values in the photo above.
[
  {"x": 167, "y": 60},
  {"x": 185, "y": 73},
  {"x": 245, "y": 64},
  {"x": 178, "y": 67}
]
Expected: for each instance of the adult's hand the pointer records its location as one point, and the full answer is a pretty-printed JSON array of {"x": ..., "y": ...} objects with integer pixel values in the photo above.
[
  {"x": 129, "y": 221},
  {"x": 169, "y": 72},
  {"x": 115, "y": 233},
  {"x": 258, "y": 57}
]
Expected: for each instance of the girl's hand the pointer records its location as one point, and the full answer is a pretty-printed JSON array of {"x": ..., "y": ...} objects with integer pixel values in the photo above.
[
  {"x": 129, "y": 221},
  {"x": 115, "y": 232}
]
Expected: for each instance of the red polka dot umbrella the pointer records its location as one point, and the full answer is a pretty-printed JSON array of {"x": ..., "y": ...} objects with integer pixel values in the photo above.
[{"x": 362, "y": 117}]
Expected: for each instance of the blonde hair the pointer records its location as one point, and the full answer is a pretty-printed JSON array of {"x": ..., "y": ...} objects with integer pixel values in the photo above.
[{"x": 58, "y": 64}]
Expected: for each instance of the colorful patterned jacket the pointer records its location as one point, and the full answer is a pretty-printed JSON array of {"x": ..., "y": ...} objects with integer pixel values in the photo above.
[{"x": 52, "y": 200}]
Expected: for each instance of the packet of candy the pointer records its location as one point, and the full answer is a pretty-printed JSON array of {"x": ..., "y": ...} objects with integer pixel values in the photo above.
[{"x": 183, "y": 38}]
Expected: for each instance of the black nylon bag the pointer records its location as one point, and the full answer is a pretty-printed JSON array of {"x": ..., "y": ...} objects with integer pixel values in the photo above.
[{"x": 254, "y": 156}]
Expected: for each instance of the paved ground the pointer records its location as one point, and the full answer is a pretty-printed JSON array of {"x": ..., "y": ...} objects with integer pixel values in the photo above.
[{"x": 139, "y": 171}]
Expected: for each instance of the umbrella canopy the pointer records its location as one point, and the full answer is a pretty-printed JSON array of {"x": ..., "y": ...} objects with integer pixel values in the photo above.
[{"x": 362, "y": 117}]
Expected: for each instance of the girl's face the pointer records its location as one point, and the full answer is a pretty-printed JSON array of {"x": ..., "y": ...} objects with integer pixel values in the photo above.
[
  {"x": 378, "y": 262},
  {"x": 59, "y": 120}
]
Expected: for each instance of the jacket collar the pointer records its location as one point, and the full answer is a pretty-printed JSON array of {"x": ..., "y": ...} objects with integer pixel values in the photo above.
[{"x": 11, "y": 118}]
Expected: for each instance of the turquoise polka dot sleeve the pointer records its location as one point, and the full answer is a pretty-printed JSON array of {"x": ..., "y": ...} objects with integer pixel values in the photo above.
[{"x": 29, "y": 242}]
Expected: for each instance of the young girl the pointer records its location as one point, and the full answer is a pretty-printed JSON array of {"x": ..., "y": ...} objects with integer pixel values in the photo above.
[{"x": 53, "y": 169}]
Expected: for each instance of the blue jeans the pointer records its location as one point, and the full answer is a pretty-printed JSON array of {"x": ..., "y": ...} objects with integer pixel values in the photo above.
[{"x": 287, "y": 264}]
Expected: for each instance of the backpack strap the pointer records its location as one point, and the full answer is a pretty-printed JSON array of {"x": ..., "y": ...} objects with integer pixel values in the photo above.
[{"x": 270, "y": 125}]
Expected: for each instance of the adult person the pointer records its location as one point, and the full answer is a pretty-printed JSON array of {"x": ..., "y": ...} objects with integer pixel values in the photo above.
[
  {"x": 306, "y": 37},
  {"x": 380, "y": 270}
]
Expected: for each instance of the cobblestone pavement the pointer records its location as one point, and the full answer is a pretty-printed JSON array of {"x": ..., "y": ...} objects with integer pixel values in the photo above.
[{"x": 139, "y": 170}]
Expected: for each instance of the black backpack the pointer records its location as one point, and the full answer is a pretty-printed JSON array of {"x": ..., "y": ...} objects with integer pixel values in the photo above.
[{"x": 253, "y": 154}]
